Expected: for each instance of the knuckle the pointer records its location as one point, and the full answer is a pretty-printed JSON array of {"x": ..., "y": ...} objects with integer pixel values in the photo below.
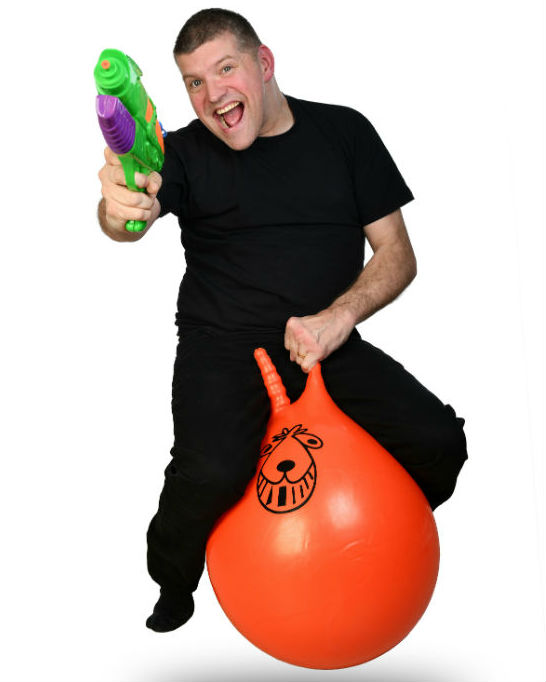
[
  {"x": 156, "y": 178},
  {"x": 142, "y": 201},
  {"x": 115, "y": 210},
  {"x": 146, "y": 201},
  {"x": 110, "y": 209},
  {"x": 118, "y": 176},
  {"x": 133, "y": 198}
]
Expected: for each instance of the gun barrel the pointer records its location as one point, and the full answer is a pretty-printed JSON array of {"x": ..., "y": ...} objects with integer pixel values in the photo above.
[
  {"x": 116, "y": 123},
  {"x": 113, "y": 73}
]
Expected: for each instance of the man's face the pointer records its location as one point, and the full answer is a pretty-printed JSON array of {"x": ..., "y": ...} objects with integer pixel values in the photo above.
[{"x": 227, "y": 89}]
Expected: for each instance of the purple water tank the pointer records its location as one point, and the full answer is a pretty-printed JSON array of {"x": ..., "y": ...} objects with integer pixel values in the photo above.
[{"x": 116, "y": 123}]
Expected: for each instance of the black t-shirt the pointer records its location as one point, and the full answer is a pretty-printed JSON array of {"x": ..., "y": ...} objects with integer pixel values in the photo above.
[{"x": 276, "y": 229}]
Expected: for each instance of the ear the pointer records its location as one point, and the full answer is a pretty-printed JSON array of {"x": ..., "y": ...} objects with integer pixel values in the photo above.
[{"x": 266, "y": 62}]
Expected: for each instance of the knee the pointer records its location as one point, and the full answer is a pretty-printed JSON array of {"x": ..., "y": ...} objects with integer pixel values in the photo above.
[
  {"x": 442, "y": 458},
  {"x": 445, "y": 439}
]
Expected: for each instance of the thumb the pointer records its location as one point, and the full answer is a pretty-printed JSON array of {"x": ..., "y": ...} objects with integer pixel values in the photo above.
[
  {"x": 111, "y": 157},
  {"x": 151, "y": 183}
]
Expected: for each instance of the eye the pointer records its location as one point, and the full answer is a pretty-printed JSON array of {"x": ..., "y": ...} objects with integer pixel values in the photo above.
[
  {"x": 227, "y": 68},
  {"x": 266, "y": 449},
  {"x": 310, "y": 440},
  {"x": 195, "y": 83}
]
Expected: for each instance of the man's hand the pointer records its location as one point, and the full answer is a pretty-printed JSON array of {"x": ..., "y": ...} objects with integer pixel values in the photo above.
[
  {"x": 312, "y": 338},
  {"x": 121, "y": 204}
]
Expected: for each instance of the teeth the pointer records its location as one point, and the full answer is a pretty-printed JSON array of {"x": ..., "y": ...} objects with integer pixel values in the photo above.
[{"x": 227, "y": 108}]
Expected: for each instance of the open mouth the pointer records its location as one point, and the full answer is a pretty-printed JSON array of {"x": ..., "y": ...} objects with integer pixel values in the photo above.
[{"x": 230, "y": 115}]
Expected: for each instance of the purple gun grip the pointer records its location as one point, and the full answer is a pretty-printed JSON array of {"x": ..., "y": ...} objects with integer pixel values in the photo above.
[{"x": 116, "y": 123}]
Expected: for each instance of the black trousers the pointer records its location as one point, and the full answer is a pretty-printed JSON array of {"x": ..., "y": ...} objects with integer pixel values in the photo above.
[{"x": 220, "y": 411}]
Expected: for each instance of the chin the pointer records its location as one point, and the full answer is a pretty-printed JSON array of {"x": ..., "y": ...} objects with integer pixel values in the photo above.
[
  {"x": 239, "y": 145},
  {"x": 234, "y": 143},
  {"x": 237, "y": 141}
]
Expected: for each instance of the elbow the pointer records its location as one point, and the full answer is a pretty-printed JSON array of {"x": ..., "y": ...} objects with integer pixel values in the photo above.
[
  {"x": 412, "y": 269},
  {"x": 407, "y": 263},
  {"x": 408, "y": 268}
]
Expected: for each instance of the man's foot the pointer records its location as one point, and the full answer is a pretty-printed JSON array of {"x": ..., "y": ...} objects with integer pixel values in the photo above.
[{"x": 170, "y": 612}]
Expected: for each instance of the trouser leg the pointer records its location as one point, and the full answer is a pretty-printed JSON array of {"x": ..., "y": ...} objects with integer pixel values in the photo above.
[{"x": 220, "y": 415}]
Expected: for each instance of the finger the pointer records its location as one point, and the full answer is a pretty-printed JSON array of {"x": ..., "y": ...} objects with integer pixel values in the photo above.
[
  {"x": 125, "y": 213},
  {"x": 291, "y": 350},
  {"x": 115, "y": 174},
  {"x": 287, "y": 335},
  {"x": 289, "y": 342},
  {"x": 301, "y": 355},
  {"x": 141, "y": 180},
  {"x": 310, "y": 361},
  {"x": 128, "y": 197},
  {"x": 111, "y": 157},
  {"x": 293, "y": 340},
  {"x": 154, "y": 183},
  {"x": 151, "y": 183}
]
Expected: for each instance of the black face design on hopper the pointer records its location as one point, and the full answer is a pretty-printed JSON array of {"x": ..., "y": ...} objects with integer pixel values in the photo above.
[{"x": 288, "y": 476}]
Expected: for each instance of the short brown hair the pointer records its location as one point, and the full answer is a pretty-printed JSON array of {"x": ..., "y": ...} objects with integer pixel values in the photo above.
[{"x": 209, "y": 23}]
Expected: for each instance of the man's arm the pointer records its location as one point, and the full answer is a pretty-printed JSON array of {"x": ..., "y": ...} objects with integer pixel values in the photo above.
[
  {"x": 388, "y": 272},
  {"x": 120, "y": 204}
]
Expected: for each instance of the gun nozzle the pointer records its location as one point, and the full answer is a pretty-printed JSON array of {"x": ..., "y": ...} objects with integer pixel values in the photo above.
[{"x": 105, "y": 64}]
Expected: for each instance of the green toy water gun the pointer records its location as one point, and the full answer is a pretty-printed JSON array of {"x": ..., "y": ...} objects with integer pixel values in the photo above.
[{"x": 128, "y": 120}]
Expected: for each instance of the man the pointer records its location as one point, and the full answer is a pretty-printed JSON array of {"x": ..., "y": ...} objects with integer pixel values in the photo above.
[{"x": 274, "y": 196}]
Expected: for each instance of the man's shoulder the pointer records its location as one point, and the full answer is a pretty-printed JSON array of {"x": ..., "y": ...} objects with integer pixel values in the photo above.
[
  {"x": 193, "y": 130},
  {"x": 190, "y": 141},
  {"x": 335, "y": 112}
]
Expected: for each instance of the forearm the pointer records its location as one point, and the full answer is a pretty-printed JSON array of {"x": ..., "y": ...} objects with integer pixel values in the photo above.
[
  {"x": 392, "y": 267},
  {"x": 385, "y": 276}
]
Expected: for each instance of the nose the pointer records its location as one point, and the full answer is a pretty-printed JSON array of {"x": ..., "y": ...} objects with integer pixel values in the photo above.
[
  {"x": 285, "y": 465},
  {"x": 215, "y": 91}
]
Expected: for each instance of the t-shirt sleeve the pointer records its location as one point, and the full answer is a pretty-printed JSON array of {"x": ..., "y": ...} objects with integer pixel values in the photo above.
[
  {"x": 380, "y": 188},
  {"x": 173, "y": 191}
]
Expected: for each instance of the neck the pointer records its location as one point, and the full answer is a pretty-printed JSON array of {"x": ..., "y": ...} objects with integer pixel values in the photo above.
[{"x": 278, "y": 118}]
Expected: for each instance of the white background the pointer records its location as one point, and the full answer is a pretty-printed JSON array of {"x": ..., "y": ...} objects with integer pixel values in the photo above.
[{"x": 456, "y": 90}]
